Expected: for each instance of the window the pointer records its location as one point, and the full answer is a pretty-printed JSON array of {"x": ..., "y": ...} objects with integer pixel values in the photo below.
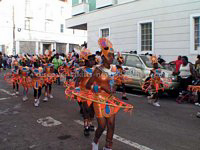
[
  {"x": 62, "y": 11},
  {"x": 61, "y": 28},
  {"x": 195, "y": 33},
  {"x": 146, "y": 36},
  {"x": 83, "y": 1},
  {"x": 27, "y": 24},
  {"x": 47, "y": 24},
  {"x": 105, "y": 32},
  {"x": 133, "y": 61}
]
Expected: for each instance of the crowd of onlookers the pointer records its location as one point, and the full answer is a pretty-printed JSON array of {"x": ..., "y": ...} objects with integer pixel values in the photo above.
[{"x": 5, "y": 61}]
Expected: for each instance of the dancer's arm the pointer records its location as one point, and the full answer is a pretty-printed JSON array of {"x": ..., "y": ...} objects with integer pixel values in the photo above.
[
  {"x": 96, "y": 74},
  {"x": 79, "y": 78}
]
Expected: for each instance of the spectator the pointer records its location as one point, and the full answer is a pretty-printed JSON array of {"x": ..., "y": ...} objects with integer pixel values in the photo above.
[
  {"x": 5, "y": 58},
  {"x": 74, "y": 53},
  {"x": 178, "y": 64},
  {"x": 161, "y": 60},
  {"x": 57, "y": 63},
  {"x": 1, "y": 60},
  {"x": 197, "y": 73},
  {"x": 98, "y": 57},
  {"x": 186, "y": 74},
  {"x": 197, "y": 66},
  {"x": 9, "y": 61},
  {"x": 54, "y": 52}
]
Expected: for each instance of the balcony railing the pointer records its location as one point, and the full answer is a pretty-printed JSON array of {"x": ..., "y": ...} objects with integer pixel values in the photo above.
[
  {"x": 105, "y": 3},
  {"x": 80, "y": 9}
]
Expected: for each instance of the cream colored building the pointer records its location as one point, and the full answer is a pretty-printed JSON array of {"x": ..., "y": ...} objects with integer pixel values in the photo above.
[
  {"x": 39, "y": 25},
  {"x": 163, "y": 27}
]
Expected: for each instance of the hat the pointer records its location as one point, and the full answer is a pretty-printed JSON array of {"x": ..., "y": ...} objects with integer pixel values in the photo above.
[
  {"x": 85, "y": 53},
  {"x": 15, "y": 63},
  {"x": 153, "y": 59},
  {"x": 120, "y": 58},
  {"x": 106, "y": 46}
]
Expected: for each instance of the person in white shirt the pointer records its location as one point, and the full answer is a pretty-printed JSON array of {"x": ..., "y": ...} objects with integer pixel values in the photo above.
[{"x": 186, "y": 74}]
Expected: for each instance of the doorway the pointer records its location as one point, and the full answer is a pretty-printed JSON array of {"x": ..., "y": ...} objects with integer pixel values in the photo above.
[{"x": 46, "y": 47}]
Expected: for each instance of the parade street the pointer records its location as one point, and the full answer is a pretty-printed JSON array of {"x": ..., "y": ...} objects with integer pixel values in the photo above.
[{"x": 57, "y": 124}]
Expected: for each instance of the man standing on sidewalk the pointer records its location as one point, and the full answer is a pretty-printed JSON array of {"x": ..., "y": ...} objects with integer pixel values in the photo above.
[
  {"x": 1, "y": 61},
  {"x": 57, "y": 63}
]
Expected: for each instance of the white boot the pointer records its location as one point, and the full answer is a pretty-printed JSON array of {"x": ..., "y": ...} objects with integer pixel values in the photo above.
[
  {"x": 25, "y": 98},
  {"x": 37, "y": 102},
  {"x": 106, "y": 148},
  {"x": 95, "y": 146},
  {"x": 51, "y": 96},
  {"x": 45, "y": 99}
]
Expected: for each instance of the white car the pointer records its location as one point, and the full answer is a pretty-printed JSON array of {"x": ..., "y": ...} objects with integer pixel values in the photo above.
[{"x": 138, "y": 69}]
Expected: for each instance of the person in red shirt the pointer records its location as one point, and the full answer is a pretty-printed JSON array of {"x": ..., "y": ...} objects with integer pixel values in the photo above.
[{"x": 178, "y": 64}]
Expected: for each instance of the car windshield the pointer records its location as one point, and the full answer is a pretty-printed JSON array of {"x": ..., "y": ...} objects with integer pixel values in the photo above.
[{"x": 148, "y": 63}]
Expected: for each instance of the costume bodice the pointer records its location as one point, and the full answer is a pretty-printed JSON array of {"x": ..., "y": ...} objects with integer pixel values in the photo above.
[
  {"x": 106, "y": 78},
  {"x": 48, "y": 68},
  {"x": 38, "y": 71},
  {"x": 25, "y": 71},
  {"x": 86, "y": 76}
]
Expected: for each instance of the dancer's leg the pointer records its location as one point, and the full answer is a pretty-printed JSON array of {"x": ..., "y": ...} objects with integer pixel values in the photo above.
[
  {"x": 39, "y": 92},
  {"x": 100, "y": 129},
  {"x": 50, "y": 91},
  {"x": 17, "y": 85},
  {"x": 110, "y": 131},
  {"x": 86, "y": 118},
  {"x": 13, "y": 86},
  {"x": 124, "y": 92},
  {"x": 35, "y": 93}
]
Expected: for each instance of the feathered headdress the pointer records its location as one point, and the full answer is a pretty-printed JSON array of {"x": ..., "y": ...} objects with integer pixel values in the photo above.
[
  {"x": 120, "y": 58},
  {"x": 15, "y": 63},
  {"x": 85, "y": 53},
  {"x": 106, "y": 46},
  {"x": 34, "y": 59},
  {"x": 153, "y": 59}
]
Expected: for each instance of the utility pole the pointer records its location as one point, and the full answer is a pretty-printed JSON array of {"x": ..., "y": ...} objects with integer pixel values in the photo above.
[{"x": 14, "y": 43}]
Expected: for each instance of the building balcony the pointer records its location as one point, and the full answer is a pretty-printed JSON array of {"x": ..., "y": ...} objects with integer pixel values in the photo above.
[
  {"x": 80, "y": 9},
  {"x": 105, "y": 3},
  {"x": 125, "y": 1}
]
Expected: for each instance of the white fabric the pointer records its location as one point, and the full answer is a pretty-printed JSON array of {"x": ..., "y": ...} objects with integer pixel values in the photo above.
[
  {"x": 109, "y": 71},
  {"x": 185, "y": 71},
  {"x": 95, "y": 146}
]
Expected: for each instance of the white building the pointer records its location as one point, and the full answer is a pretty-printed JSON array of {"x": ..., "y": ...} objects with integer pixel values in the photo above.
[
  {"x": 39, "y": 25},
  {"x": 163, "y": 27}
]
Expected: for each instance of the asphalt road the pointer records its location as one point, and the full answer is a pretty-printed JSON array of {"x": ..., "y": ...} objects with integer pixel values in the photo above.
[{"x": 22, "y": 126}]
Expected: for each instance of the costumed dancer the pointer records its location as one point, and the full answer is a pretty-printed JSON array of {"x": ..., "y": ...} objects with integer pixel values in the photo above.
[
  {"x": 83, "y": 75},
  {"x": 15, "y": 76},
  {"x": 50, "y": 77},
  {"x": 100, "y": 89},
  {"x": 154, "y": 84},
  {"x": 120, "y": 60},
  {"x": 68, "y": 69},
  {"x": 37, "y": 80},
  {"x": 25, "y": 80},
  {"x": 102, "y": 83}
]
